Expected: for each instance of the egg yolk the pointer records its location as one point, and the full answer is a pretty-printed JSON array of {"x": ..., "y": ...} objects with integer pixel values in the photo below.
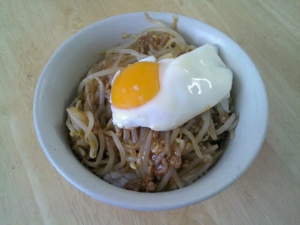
[{"x": 135, "y": 85}]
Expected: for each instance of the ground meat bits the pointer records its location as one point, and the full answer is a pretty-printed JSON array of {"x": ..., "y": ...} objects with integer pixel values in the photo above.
[
  {"x": 154, "y": 174},
  {"x": 141, "y": 185}
]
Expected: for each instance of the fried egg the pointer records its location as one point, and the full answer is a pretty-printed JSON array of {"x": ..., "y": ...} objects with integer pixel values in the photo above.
[{"x": 165, "y": 94}]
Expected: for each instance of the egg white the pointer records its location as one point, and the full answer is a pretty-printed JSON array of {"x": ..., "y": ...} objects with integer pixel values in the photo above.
[{"x": 189, "y": 85}]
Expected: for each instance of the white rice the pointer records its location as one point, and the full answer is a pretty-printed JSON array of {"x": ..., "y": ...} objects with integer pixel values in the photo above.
[{"x": 119, "y": 179}]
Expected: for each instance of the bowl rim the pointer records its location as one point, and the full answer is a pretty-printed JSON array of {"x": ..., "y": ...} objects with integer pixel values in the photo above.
[{"x": 146, "y": 201}]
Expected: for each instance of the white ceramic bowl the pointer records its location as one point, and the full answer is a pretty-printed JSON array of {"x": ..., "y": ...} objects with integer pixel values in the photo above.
[{"x": 57, "y": 86}]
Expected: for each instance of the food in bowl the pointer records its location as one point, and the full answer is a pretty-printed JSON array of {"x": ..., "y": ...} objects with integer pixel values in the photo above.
[
  {"x": 57, "y": 85},
  {"x": 154, "y": 114}
]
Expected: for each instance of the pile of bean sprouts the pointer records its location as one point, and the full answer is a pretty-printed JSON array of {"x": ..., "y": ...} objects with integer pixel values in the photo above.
[{"x": 159, "y": 161}]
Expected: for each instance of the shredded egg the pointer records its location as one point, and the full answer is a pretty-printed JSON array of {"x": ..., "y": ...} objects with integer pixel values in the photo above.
[{"x": 163, "y": 95}]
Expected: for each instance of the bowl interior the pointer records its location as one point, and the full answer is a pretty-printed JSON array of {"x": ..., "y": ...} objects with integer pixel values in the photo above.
[{"x": 57, "y": 87}]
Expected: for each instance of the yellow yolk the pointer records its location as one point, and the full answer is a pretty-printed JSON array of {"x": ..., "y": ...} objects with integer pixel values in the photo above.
[{"x": 135, "y": 85}]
